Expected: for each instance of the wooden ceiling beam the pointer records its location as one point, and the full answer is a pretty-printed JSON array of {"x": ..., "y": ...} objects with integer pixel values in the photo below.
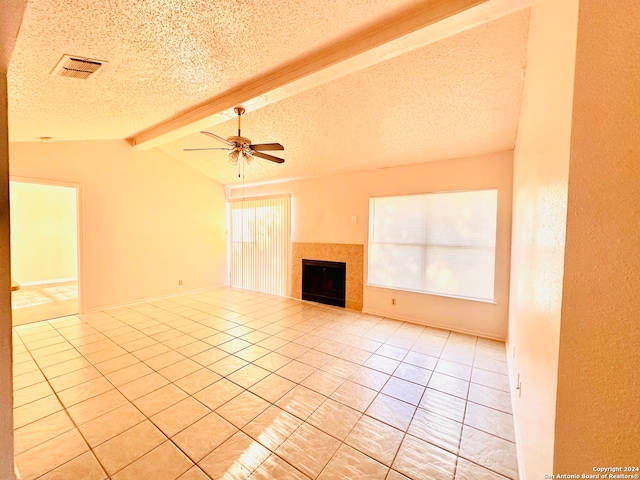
[{"x": 405, "y": 31}]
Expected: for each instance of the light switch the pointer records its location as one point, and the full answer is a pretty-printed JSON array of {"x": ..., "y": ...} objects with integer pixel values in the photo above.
[{"x": 354, "y": 220}]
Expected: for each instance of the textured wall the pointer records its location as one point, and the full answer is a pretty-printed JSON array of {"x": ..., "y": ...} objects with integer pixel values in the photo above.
[
  {"x": 148, "y": 221},
  {"x": 541, "y": 169},
  {"x": 10, "y": 20},
  {"x": 598, "y": 405},
  {"x": 6, "y": 375}
]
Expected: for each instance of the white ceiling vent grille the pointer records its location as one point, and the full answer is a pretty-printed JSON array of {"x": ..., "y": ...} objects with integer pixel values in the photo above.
[{"x": 77, "y": 67}]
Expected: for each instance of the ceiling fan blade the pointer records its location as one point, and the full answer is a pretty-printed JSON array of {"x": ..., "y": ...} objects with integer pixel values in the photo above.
[
  {"x": 267, "y": 156},
  {"x": 267, "y": 146},
  {"x": 196, "y": 149},
  {"x": 218, "y": 137}
]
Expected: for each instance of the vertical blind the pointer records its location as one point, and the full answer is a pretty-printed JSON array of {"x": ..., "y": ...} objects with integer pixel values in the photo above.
[
  {"x": 260, "y": 239},
  {"x": 441, "y": 243}
]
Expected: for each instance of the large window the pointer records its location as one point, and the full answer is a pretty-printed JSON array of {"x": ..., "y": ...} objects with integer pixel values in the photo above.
[
  {"x": 260, "y": 239},
  {"x": 440, "y": 243}
]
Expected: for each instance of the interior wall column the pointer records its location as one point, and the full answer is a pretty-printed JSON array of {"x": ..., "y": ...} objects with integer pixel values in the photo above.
[
  {"x": 6, "y": 357},
  {"x": 598, "y": 399},
  {"x": 10, "y": 21}
]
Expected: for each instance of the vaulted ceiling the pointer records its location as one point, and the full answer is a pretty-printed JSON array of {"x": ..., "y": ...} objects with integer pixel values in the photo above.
[{"x": 433, "y": 90}]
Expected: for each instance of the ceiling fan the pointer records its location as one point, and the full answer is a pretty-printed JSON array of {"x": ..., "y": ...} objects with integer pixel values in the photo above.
[{"x": 240, "y": 146}]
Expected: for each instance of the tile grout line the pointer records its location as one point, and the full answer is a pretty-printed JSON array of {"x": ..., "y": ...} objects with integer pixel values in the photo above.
[
  {"x": 89, "y": 448},
  {"x": 464, "y": 414},
  {"x": 318, "y": 321}
]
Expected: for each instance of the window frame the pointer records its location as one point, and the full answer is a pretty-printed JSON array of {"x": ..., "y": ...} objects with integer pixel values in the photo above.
[{"x": 425, "y": 247}]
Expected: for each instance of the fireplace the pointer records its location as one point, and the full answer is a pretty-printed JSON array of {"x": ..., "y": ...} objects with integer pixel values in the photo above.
[
  {"x": 351, "y": 254},
  {"x": 324, "y": 282}
]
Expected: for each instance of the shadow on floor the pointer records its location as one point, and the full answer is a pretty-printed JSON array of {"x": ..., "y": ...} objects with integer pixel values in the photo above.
[{"x": 43, "y": 302}]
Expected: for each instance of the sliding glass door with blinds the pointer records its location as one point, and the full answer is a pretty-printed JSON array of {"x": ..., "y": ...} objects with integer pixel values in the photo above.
[
  {"x": 440, "y": 243},
  {"x": 260, "y": 242}
]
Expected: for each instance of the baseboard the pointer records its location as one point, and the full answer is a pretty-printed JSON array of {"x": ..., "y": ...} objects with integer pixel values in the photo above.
[
  {"x": 434, "y": 325},
  {"x": 516, "y": 431},
  {"x": 46, "y": 282},
  {"x": 151, "y": 299}
]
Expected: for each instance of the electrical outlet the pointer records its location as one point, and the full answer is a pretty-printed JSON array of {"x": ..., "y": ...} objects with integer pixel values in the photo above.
[
  {"x": 179, "y": 282},
  {"x": 513, "y": 352},
  {"x": 393, "y": 302}
]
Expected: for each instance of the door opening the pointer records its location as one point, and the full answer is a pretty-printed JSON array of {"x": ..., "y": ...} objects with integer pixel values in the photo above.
[{"x": 44, "y": 251}]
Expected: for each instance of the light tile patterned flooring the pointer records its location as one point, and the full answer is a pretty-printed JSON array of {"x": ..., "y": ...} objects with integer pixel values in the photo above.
[
  {"x": 33, "y": 303},
  {"x": 230, "y": 384}
]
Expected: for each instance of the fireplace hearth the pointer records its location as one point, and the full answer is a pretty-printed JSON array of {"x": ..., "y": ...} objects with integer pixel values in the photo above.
[{"x": 324, "y": 282}]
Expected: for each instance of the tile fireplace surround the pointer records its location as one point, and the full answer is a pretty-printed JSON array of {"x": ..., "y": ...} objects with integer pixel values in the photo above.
[{"x": 351, "y": 254}]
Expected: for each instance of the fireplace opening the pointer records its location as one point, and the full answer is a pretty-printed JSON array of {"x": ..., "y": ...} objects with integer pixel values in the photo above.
[{"x": 324, "y": 282}]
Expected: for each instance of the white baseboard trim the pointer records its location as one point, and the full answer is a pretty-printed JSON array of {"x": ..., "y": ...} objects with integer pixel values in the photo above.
[
  {"x": 151, "y": 299},
  {"x": 434, "y": 325},
  {"x": 53, "y": 280},
  {"x": 512, "y": 387}
]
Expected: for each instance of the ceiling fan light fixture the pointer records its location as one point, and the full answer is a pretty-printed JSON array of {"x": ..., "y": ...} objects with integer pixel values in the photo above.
[{"x": 241, "y": 147}]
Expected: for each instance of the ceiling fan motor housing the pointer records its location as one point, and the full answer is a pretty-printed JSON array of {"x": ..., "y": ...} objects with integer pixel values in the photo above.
[
  {"x": 239, "y": 140},
  {"x": 242, "y": 145}
]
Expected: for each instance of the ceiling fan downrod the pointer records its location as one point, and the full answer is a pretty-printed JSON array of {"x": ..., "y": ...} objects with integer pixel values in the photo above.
[
  {"x": 242, "y": 147},
  {"x": 239, "y": 111}
]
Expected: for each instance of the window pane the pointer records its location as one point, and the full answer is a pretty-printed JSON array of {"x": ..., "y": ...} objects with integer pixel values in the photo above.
[
  {"x": 398, "y": 266},
  {"x": 399, "y": 219},
  {"x": 440, "y": 243},
  {"x": 462, "y": 218},
  {"x": 460, "y": 272}
]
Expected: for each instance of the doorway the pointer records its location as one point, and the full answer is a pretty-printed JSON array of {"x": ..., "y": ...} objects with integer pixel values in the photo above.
[
  {"x": 44, "y": 250},
  {"x": 260, "y": 238}
]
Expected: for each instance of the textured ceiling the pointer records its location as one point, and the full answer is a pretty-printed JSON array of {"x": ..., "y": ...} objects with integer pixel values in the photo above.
[
  {"x": 459, "y": 96},
  {"x": 455, "y": 98},
  {"x": 164, "y": 56}
]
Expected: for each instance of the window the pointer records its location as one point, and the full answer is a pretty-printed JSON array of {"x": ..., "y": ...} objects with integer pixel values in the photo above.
[
  {"x": 260, "y": 231},
  {"x": 440, "y": 243}
]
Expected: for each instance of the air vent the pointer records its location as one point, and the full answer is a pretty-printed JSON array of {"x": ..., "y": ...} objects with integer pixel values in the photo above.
[{"x": 77, "y": 67}]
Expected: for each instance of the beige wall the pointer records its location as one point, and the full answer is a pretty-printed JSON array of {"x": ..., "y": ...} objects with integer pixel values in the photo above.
[
  {"x": 322, "y": 209},
  {"x": 148, "y": 221},
  {"x": 541, "y": 168},
  {"x": 6, "y": 357},
  {"x": 44, "y": 233},
  {"x": 598, "y": 404},
  {"x": 10, "y": 20},
  {"x": 575, "y": 267}
]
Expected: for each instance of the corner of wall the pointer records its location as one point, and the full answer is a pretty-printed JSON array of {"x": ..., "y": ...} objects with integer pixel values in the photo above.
[
  {"x": 6, "y": 345},
  {"x": 513, "y": 388},
  {"x": 540, "y": 186},
  {"x": 598, "y": 399}
]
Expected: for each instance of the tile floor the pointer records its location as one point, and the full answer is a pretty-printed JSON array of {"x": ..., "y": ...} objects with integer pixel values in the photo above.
[
  {"x": 230, "y": 384},
  {"x": 33, "y": 303}
]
